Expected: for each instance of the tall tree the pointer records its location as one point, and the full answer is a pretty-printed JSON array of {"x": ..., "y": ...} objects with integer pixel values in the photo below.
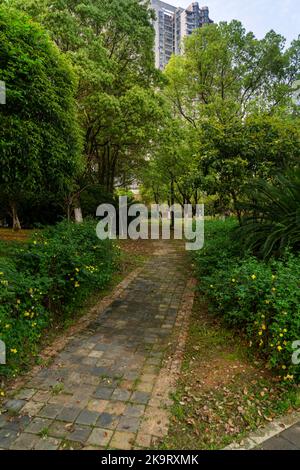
[
  {"x": 40, "y": 139},
  {"x": 235, "y": 92},
  {"x": 224, "y": 65},
  {"x": 110, "y": 43}
]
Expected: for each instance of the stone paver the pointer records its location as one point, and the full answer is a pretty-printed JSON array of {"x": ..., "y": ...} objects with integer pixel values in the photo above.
[
  {"x": 105, "y": 388},
  {"x": 286, "y": 440},
  {"x": 280, "y": 434}
]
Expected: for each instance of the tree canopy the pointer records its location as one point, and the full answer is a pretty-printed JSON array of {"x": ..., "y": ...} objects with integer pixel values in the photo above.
[
  {"x": 40, "y": 139},
  {"x": 111, "y": 46},
  {"x": 232, "y": 98},
  {"x": 221, "y": 114}
]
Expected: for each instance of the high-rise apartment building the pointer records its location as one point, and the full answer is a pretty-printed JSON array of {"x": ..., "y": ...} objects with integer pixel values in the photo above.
[{"x": 172, "y": 24}]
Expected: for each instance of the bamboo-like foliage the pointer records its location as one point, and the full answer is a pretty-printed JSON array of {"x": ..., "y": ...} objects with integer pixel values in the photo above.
[{"x": 272, "y": 217}]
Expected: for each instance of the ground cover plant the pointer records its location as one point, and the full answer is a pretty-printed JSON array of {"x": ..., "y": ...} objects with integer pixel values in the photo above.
[
  {"x": 44, "y": 280},
  {"x": 222, "y": 393},
  {"x": 258, "y": 298}
]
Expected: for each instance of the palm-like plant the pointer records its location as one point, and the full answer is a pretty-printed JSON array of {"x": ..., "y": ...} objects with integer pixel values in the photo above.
[{"x": 272, "y": 218}]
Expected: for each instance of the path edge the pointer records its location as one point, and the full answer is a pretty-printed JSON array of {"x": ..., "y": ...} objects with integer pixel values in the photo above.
[
  {"x": 158, "y": 409},
  {"x": 273, "y": 429},
  {"x": 59, "y": 343}
]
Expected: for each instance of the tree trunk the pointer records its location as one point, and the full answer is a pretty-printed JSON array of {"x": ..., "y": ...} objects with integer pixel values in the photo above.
[
  {"x": 14, "y": 213},
  {"x": 238, "y": 212},
  {"x": 78, "y": 215},
  {"x": 172, "y": 200},
  {"x": 68, "y": 212}
]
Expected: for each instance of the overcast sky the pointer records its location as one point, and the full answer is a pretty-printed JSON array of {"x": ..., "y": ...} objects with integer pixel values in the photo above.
[{"x": 258, "y": 16}]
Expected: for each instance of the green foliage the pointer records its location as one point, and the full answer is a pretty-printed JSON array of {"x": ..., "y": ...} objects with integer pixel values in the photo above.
[
  {"x": 171, "y": 162},
  {"x": 45, "y": 280},
  {"x": 258, "y": 298},
  {"x": 92, "y": 196},
  {"x": 237, "y": 152},
  {"x": 110, "y": 43},
  {"x": 40, "y": 141},
  {"x": 272, "y": 223},
  {"x": 233, "y": 96},
  {"x": 225, "y": 65}
]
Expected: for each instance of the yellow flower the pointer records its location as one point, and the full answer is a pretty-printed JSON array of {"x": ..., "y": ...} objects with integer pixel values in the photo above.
[
  {"x": 33, "y": 324},
  {"x": 263, "y": 327},
  {"x": 288, "y": 377},
  {"x": 267, "y": 302},
  {"x": 76, "y": 284},
  {"x": 14, "y": 351},
  {"x": 34, "y": 242},
  {"x": 273, "y": 277},
  {"x": 260, "y": 333},
  {"x": 283, "y": 367},
  {"x": 18, "y": 301},
  {"x": 273, "y": 289},
  {"x": 211, "y": 286},
  {"x": 77, "y": 270},
  {"x": 7, "y": 325},
  {"x": 26, "y": 314},
  {"x": 2, "y": 394},
  {"x": 279, "y": 348},
  {"x": 232, "y": 280},
  {"x": 261, "y": 343},
  {"x": 253, "y": 277},
  {"x": 285, "y": 330},
  {"x": 281, "y": 335}
]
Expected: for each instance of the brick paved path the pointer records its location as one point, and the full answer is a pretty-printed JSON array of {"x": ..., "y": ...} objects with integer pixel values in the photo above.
[
  {"x": 100, "y": 390},
  {"x": 286, "y": 440}
]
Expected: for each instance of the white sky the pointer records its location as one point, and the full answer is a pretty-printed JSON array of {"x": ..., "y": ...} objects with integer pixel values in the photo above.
[{"x": 258, "y": 16}]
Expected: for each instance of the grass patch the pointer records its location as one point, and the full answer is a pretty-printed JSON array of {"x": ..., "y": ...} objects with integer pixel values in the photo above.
[
  {"x": 57, "y": 389},
  {"x": 223, "y": 392},
  {"x": 7, "y": 234},
  {"x": 44, "y": 433}
]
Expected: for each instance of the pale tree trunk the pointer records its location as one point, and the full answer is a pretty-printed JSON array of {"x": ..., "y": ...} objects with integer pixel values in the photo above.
[
  {"x": 75, "y": 202},
  {"x": 78, "y": 215},
  {"x": 14, "y": 213}
]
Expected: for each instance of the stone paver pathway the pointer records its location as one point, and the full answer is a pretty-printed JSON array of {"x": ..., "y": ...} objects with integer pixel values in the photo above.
[
  {"x": 286, "y": 440},
  {"x": 99, "y": 392}
]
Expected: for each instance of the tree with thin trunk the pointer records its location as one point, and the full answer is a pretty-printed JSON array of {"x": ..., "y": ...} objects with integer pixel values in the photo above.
[
  {"x": 234, "y": 95},
  {"x": 110, "y": 43}
]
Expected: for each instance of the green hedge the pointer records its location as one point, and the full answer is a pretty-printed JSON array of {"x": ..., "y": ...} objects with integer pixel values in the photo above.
[
  {"x": 45, "y": 280},
  {"x": 261, "y": 299}
]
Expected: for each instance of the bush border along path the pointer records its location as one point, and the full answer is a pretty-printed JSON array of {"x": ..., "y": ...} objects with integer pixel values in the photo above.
[
  {"x": 43, "y": 281},
  {"x": 108, "y": 387},
  {"x": 81, "y": 323}
]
